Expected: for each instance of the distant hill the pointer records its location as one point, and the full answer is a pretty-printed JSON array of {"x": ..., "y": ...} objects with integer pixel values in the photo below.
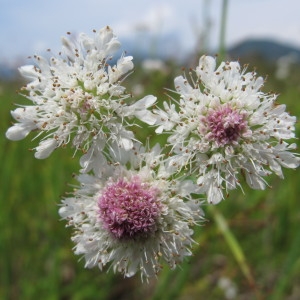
[
  {"x": 7, "y": 72},
  {"x": 266, "y": 49}
]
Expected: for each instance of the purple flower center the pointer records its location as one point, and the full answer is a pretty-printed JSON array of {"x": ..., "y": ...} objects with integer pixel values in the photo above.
[
  {"x": 225, "y": 125},
  {"x": 129, "y": 209}
]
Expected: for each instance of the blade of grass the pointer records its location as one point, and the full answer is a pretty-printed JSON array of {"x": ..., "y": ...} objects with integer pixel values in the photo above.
[
  {"x": 287, "y": 270},
  {"x": 234, "y": 245}
]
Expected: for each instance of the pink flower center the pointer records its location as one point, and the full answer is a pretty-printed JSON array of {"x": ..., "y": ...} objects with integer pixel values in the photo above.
[
  {"x": 129, "y": 209},
  {"x": 225, "y": 125}
]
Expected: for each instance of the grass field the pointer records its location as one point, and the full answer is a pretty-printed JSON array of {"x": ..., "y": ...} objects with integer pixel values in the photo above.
[{"x": 36, "y": 258}]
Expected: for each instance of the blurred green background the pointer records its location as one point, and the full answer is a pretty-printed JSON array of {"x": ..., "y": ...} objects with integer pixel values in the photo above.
[
  {"x": 255, "y": 255},
  {"x": 36, "y": 258}
]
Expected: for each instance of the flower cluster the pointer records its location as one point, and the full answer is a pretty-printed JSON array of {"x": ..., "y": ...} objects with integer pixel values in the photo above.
[
  {"x": 133, "y": 217},
  {"x": 136, "y": 206},
  {"x": 77, "y": 97},
  {"x": 224, "y": 126}
]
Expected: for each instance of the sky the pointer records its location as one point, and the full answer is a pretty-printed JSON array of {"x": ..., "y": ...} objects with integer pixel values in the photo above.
[{"x": 31, "y": 26}]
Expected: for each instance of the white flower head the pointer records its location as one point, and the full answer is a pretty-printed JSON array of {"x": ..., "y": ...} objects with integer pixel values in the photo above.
[
  {"x": 76, "y": 97},
  {"x": 132, "y": 218},
  {"x": 225, "y": 126}
]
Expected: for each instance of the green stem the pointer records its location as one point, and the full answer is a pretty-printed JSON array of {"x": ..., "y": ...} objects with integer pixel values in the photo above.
[
  {"x": 234, "y": 246},
  {"x": 222, "y": 47}
]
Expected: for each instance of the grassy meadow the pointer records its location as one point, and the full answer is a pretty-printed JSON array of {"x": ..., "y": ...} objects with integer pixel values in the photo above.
[{"x": 256, "y": 255}]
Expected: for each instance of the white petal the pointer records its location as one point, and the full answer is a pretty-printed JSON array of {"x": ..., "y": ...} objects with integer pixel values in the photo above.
[
  {"x": 214, "y": 194},
  {"x": 125, "y": 64},
  {"x": 28, "y": 72},
  {"x": 146, "y": 116},
  {"x": 182, "y": 86},
  {"x": 18, "y": 132},
  {"x": 145, "y": 102},
  {"x": 139, "y": 110},
  {"x": 255, "y": 182},
  {"x": 275, "y": 167},
  {"x": 188, "y": 186},
  {"x": 45, "y": 148},
  {"x": 126, "y": 143},
  {"x": 259, "y": 82},
  {"x": 288, "y": 160},
  {"x": 207, "y": 64},
  {"x": 68, "y": 48},
  {"x": 159, "y": 129}
]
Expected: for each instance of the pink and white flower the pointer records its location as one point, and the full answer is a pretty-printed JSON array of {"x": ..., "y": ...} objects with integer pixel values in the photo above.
[
  {"x": 134, "y": 218},
  {"x": 224, "y": 126}
]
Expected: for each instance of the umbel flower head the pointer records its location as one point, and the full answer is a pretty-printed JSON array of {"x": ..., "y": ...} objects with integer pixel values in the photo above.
[
  {"x": 224, "y": 126},
  {"x": 133, "y": 218},
  {"x": 77, "y": 96}
]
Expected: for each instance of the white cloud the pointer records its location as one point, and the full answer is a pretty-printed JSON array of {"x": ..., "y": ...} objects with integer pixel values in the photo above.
[{"x": 154, "y": 20}]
